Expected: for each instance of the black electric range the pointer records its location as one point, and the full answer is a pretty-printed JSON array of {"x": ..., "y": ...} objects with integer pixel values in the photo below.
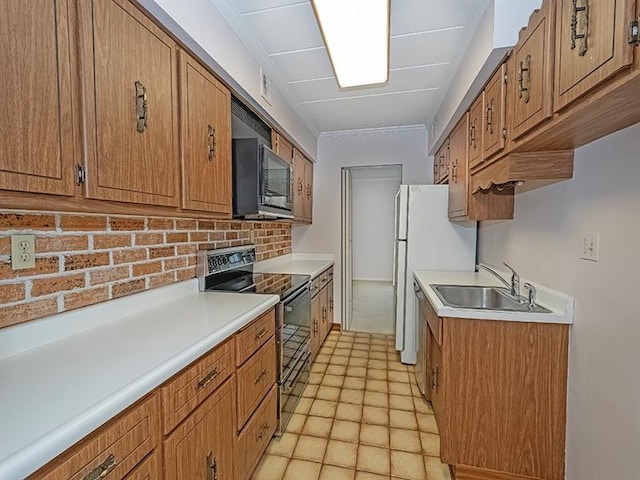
[{"x": 231, "y": 270}]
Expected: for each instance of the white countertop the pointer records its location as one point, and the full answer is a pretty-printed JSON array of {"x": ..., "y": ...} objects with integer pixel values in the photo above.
[
  {"x": 561, "y": 305},
  {"x": 297, "y": 263},
  {"x": 54, "y": 391}
]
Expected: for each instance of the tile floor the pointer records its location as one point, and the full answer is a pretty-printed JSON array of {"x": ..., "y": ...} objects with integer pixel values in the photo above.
[
  {"x": 361, "y": 418},
  {"x": 373, "y": 305}
]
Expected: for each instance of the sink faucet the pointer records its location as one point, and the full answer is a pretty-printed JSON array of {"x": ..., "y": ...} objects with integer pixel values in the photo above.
[{"x": 514, "y": 286}]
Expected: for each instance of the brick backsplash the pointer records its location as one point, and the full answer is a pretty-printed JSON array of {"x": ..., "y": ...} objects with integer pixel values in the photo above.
[{"x": 86, "y": 259}]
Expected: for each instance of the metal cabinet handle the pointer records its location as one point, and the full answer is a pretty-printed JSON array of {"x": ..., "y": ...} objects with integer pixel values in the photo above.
[
  {"x": 103, "y": 469},
  {"x": 261, "y": 377},
  {"x": 142, "y": 109},
  {"x": 434, "y": 377},
  {"x": 212, "y": 142},
  {"x": 300, "y": 186},
  {"x": 315, "y": 326},
  {"x": 212, "y": 466},
  {"x": 454, "y": 171},
  {"x": 308, "y": 191},
  {"x": 261, "y": 334},
  {"x": 523, "y": 87},
  {"x": 263, "y": 432},
  {"x": 489, "y": 117},
  {"x": 584, "y": 10},
  {"x": 331, "y": 304},
  {"x": 208, "y": 378}
]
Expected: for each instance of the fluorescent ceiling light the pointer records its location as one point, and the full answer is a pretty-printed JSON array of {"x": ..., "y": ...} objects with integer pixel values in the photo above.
[{"x": 356, "y": 33}]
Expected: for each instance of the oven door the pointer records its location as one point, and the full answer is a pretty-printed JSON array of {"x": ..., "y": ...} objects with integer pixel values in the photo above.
[
  {"x": 295, "y": 331},
  {"x": 291, "y": 388},
  {"x": 276, "y": 185}
]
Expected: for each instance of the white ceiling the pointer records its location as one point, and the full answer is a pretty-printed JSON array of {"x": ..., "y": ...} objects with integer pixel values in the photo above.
[{"x": 428, "y": 40}]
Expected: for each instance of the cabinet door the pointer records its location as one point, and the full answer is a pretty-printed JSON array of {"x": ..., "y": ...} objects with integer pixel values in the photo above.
[
  {"x": 458, "y": 182},
  {"x": 308, "y": 181},
  {"x": 435, "y": 378},
  {"x": 129, "y": 77},
  {"x": 316, "y": 322},
  {"x": 476, "y": 132},
  {"x": 330, "y": 305},
  {"x": 283, "y": 148},
  {"x": 532, "y": 60},
  {"x": 206, "y": 139},
  {"x": 38, "y": 148},
  {"x": 445, "y": 162},
  {"x": 494, "y": 131},
  {"x": 299, "y": 198},
  {"x": 591, "y": 45},
  {"x": 324, "y": 304},
  {"x": 202, "y": 446}
]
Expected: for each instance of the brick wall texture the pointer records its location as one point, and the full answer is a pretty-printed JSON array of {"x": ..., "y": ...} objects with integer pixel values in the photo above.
[{"x": 86, "y": 259}]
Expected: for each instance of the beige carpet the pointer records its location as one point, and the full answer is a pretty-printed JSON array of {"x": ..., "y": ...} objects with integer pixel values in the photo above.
[{"x": 372, "y": 307}]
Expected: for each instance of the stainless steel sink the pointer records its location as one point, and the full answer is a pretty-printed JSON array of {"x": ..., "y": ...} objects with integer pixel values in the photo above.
[{"x": 483, "y": 298}]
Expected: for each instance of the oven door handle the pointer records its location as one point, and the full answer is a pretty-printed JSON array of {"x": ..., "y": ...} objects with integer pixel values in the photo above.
[
  {"x": 291, "y": 302},
  {"x": 289, "y": 388}
]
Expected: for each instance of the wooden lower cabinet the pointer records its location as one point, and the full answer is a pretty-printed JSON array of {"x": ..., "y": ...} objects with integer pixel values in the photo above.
[
  {"x": 116, "y": 448},
  {"x": 196, "y": 411},
  {"x": 202, "y": 446},
  {"x": 255, "y": 437},
  {"x": 149, "y": 469},
  {"x": 321, "y": 309},
  {"x": 498, "y": 390}
]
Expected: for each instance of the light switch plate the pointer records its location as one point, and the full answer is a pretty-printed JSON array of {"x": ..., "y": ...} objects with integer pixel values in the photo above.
[
  {"x": 23, "y": 251},
  {"x": 590, "y": 246}
]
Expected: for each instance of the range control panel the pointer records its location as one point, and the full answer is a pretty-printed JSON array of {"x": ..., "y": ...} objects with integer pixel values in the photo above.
[{"x": 224, "y": 259}]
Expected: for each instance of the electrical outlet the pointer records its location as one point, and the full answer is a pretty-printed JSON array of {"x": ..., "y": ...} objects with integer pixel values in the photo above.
[
  {"x": 590, "y": 246},
  {"x": 23, "y": 251}
]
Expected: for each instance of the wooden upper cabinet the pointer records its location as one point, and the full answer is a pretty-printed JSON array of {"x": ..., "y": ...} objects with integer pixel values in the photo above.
[
  {"x": 129, "y": 76},
  {"x": 202, "y": 446},
  {"x": 476, "y": 132},
  {"x": 495, "y": 105},
  {"x": 37, "y": 153},
  {"x": 591, "y": 45},
  {"x": 459, "y": 171},
  {"x": 206, "y": 139},
  {"x": 532, "y": 72},
  {"x": 283, "y": 148},
  {"x": 299, "y": 189},
  {"x": 308, "y": 192}
]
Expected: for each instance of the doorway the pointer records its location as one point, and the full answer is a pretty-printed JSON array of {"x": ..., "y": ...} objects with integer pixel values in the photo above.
[{"x": 368, "y": 194}]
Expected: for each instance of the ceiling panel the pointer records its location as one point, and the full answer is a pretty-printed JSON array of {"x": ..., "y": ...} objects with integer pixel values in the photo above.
[
  {"x": 284, "y": 35},
  {"x": 391, "y": 110},
  {"x": 304, "y": 65},
  {"x": 296, "y": 26},
  {"x": 399, "y": 80},
  {"x": 246, "y": 6},
  {"x": 409, "y": 16},
  {"x": 427, "y": 48}
]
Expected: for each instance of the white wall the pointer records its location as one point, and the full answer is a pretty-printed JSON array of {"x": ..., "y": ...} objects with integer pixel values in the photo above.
[
  {"x": 373, "y": 224},
  {"x": 376, "y": 147},
  {"x": 207, "y": 26},
  {"x": 543, "y": 243}
]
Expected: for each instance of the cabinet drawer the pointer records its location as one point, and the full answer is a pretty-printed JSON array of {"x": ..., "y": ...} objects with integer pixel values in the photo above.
[
  {"x": 253, "y": 440},
  {"x": 255, "y": 378},
  {"x": 147, "y": 470},
  {"x": 435, "y": 323},
  {"x": 254, "y": 335},
  {"x": 114, "y": 449},
  {"x": 189, "y": 388}
]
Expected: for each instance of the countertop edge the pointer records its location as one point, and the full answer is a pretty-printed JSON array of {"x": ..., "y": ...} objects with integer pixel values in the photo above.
[
  {"x": 556, "y": 317},
  {"x": 46, "y": 448}
]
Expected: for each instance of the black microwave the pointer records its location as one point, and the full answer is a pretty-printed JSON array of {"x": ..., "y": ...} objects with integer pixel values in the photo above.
[{"x": 262, "y": 181}]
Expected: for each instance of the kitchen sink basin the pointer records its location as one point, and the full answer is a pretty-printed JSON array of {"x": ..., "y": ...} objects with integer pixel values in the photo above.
[{"x": 482, "y": 298}]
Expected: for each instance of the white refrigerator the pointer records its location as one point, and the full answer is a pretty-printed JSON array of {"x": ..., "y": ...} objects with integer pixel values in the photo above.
[{"x": 425, "y": 239}]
